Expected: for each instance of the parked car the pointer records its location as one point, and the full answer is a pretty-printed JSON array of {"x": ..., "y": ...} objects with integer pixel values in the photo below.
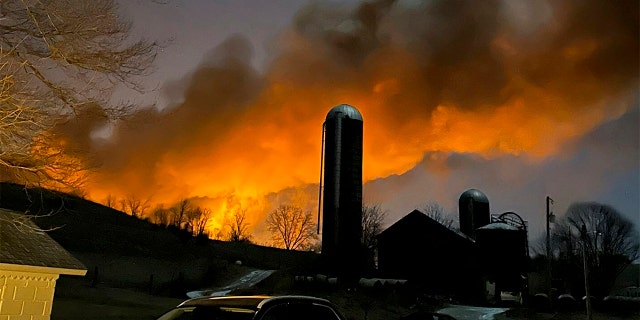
[{"x": 258, "y": 307}]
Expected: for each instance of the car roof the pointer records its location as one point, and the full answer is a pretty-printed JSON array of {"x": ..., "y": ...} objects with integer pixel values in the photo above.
[
  {"x": 245, "y": 302},
  {"x": 252, "y": 302},
  {"x": 294, "y": 298}
]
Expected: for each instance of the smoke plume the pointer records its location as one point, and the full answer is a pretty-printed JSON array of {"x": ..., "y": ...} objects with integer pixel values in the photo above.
[{"x": 454, "y": 95}]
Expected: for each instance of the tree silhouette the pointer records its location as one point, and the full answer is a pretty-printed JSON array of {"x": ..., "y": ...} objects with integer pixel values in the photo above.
[
  {"x": 291, "y": 227},
  {"x": 372, "y": 219},
  {"x": 110, "y": 201},
  {"x": 197, "y": 219},
  {"x": 160, "y": 216},
  {"x": 436, "y": 212},
  {"x": 610, "y": 244},
  {"x": 60, "y": 61},
  {"x": 238, "y": 227},
  {"x": 134, "y": 206},
  {"x": 178, "y": 214}
]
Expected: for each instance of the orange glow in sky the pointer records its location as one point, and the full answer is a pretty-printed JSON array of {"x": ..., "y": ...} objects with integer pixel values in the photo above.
[{"x": 239, "y": 138}]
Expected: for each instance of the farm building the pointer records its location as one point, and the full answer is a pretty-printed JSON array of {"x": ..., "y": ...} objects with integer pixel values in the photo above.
[
  {"x": 489, "y": 253},
  {"x": 30, "y": 264}
]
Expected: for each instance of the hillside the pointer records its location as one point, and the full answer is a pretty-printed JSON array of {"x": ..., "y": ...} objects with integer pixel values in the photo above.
[{"x": 109, "y": 241}]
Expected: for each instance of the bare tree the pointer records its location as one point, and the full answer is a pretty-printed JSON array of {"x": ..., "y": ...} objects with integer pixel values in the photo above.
[
  {"x": 134, "y": 206},
  {"x": 291, "y": 227},
  {"x": 436, "y": 212},
  {"x": 110, "y": 201},
  {"x": 178, "y": 214},
  {"x": 199, "y": 219},
  {"x": 238, "y": 227},
  {"x": 610, "y": 244},
  {"x": 60, "y": 60},
  {"x": 160, "y": 216},
  {"x": 372, "y": 219}
]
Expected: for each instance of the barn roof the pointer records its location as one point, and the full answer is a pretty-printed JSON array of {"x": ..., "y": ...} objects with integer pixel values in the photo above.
[
  {"x": 23, "y": 243},
  {"x": 418, "y": 221}
]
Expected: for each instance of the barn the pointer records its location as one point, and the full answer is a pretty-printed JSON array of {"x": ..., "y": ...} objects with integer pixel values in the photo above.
[
  {"x": 430, "y": 256},
  {"x": 489, "y": 255}
]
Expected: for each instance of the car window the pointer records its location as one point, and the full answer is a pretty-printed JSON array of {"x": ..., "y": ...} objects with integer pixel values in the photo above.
[{"x": 300, "y": 311}]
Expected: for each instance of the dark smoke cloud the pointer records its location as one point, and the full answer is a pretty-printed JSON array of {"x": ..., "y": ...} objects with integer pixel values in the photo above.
[
  {"x": 573, "y": 63},
  {"x": 214, "y": 97},
  {"x": 466, "y": 53}
]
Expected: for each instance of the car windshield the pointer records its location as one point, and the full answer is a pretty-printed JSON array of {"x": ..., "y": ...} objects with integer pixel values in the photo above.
[{"x": 208, "y": 313}]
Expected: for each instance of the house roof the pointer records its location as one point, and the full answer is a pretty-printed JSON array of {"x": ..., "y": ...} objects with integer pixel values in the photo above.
[{"x": 23, "y": 243}]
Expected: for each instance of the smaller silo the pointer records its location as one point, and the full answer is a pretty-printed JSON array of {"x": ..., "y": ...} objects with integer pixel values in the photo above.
[
  {"x": 502, "y": 249},
  {"x": 473, "y": 208}
]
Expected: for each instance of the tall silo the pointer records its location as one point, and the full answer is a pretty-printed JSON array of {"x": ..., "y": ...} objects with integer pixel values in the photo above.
[
  {"x": 473, "y": 208},
  {"x": 342, "y": 201}
]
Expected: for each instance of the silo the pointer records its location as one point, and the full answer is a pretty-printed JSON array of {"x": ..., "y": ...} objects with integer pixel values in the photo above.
[
  {"x": 342, "y": 201},
  {"x": 504, "y": 254},
  {"x": 473, "y": 207}
]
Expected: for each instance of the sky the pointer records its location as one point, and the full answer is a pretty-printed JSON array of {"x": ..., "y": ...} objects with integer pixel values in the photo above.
[{"x": 518, "y": 99}]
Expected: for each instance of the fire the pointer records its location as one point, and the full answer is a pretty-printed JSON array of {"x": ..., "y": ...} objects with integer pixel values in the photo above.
[
  {"x": 270, "y": 152},
  {"x": 241, "y": 140}
]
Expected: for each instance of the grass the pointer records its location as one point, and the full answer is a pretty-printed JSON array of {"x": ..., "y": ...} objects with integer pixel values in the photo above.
[{"x": 76, "y": 299}]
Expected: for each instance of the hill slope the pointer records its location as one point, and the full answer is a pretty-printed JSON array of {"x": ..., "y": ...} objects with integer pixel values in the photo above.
[{"x": 127, "y": 252}]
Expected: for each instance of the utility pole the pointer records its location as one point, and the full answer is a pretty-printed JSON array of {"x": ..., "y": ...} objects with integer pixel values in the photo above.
[
  {"x": 583, "y": 235},
  {"x": 549, "y": 220}
]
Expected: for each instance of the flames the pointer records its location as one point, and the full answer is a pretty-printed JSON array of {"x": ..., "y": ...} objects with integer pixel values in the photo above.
[{"x": 239, "y": 139}]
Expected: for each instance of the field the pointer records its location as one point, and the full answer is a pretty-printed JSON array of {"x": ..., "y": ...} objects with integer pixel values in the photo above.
[{"x": 75, "y": 299}]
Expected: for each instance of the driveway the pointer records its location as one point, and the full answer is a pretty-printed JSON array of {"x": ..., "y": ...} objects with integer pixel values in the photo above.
[{"x": 463, "y": 312}]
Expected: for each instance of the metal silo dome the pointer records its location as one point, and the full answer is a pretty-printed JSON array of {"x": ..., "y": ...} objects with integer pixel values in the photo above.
[
  {"x": 344, "y": 111},
  {"x": 474, "y": 194},
  {"x": 474, "y": 213}
]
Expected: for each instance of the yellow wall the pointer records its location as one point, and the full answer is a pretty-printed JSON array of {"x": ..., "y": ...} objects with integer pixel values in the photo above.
[{"x": 26, "y": 295}]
